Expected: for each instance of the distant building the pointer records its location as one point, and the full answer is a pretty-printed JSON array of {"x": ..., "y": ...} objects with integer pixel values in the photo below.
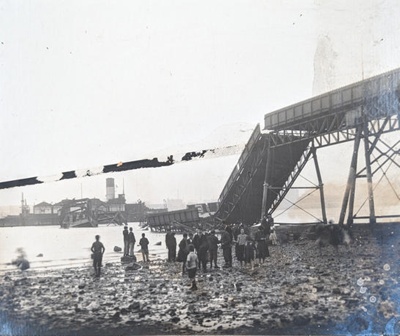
[
  {"x": 98, "y": 204},
  {"x": 57, "y": 206},
  {"x": 110, "y": 189},
  {"x": 43, "y": 208},
  {"x": 117, "y": 204},
  {"x": 65, "y": 202}
]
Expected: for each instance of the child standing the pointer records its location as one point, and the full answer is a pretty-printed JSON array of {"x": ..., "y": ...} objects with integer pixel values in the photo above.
[{"x": 191, "y": 266}]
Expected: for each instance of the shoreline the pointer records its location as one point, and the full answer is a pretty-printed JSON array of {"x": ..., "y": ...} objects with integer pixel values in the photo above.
[{"x": 296, "y": 291}]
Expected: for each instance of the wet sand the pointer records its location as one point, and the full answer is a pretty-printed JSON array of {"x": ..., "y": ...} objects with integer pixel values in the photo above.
[{"x": 297, "y": 291}]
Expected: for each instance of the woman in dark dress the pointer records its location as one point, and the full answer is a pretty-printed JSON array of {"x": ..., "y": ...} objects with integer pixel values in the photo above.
[
  {"x": 262, "y": 247},
  {"x": 249, "y": 252}
]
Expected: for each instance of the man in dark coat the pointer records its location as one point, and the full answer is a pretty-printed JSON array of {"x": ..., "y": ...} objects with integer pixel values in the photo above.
[
  {"x": 196, "y": 241},
  {"x": 131, "y": 241},
  {"x": 202, "y": 251},
  {"x": 266, "y": 224},
  {"x": 213, "y": 248},
  {"x": 125, "y": 233},
  {"x": 226, "y": 244},
  {"x": 170, "y": 242},
  {"x": 262, "y": 245}
]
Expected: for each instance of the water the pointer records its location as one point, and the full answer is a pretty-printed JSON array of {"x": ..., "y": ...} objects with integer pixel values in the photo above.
[{"x": 70, "y": 247}]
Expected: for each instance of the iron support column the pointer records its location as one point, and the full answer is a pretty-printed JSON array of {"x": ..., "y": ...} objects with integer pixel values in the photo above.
[
  {"x": 320, "y": 185},
  {"x": 352, "y": 175},
  {"x": 352, "y": 185},
  {"x": 372, "y": 217},
  {"x": 350, "y": 219},
  {"x": 266, "y": 181}
]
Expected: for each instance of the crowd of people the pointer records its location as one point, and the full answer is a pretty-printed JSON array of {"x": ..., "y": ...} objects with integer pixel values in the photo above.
[{"x": 200, "y": 251}]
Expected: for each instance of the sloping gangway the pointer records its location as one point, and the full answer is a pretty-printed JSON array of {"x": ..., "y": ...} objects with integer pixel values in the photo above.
[{"x": 272, "y": 160}]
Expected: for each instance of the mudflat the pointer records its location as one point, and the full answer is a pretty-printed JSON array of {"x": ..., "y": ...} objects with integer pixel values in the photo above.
[{"x": 296, "y": 291}]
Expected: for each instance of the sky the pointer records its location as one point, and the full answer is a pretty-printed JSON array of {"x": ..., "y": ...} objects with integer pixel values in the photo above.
[{"x": 88, "y": 83}]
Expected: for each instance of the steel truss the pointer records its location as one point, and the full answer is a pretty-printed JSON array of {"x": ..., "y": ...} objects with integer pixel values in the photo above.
[
  {"x": 383, "y": 159},
  {"x": 326, "y": 133},
  {"x": 239, "y": 181},
  {"x": 281, "y": 192}
]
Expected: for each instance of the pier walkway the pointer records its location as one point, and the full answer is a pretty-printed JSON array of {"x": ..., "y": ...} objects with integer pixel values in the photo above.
[{"x": 272, "y": 160}]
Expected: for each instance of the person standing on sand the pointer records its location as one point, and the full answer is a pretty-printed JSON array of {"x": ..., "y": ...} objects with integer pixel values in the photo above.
[
  {"x": 249, "y": 252},
  {"x": 191, "y": 265},
  {"x": 202, "y": 252},
  {"x": 183, "y": 252},
  {"x": 262, "y": 246},
  {"x": 273, "y": 237},
  {"x": 196, "y": 241},
  {"x": 170, "y": 242},
  {"x": 213, "y": 248},
  {"x": 144, "y": 243},
  {"x": 125, "y": 234},
  {"x": 190, "y": 239},
  {"x": 240, "y": 245},
  {"x": 268, "y": 223},
  {"x": 98, "y": 251},
  {"x": 226, "y": 244},
  {"x": 228, "y": 229},
  {"x": 131, "y": 241}
]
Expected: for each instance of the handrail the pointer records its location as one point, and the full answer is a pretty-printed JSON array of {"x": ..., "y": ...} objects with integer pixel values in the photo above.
[{"x": 242, "y": 159}]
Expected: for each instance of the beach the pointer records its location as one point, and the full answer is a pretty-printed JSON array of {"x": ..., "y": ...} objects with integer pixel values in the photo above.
[{"x": 297, "y": 291}]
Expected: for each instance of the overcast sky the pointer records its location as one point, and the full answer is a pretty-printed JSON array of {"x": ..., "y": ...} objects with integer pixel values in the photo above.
[{"x": 87, "y": 83}]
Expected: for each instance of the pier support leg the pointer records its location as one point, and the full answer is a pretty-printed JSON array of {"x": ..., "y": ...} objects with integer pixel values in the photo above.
[
  {"x": 350, "y": 217},
  {"x": 352, "y": 176},
  {"x": 320, "y": 185},
  {"x": 266, "y": 182},
  {"x": 372, "y": 217}
]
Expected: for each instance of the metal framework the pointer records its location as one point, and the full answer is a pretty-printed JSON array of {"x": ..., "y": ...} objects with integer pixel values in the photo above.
[
  {"x": 361, "y": 111},
  {"x": 281, "y": 192},
  {"x": 83, "y": 213},
  {"x": 241, "y": 180},
  {"x": 332, "y": 135}
]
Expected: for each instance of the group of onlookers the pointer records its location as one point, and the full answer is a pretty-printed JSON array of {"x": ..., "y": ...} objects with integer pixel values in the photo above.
[
  {"x": 196, "y": 251},
  {"x": 248, "y": 246},
  {"x": 129, "y": 244}
]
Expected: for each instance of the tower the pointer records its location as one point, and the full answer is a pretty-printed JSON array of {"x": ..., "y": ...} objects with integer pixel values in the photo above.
[{"x": 110, "y": 189}]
